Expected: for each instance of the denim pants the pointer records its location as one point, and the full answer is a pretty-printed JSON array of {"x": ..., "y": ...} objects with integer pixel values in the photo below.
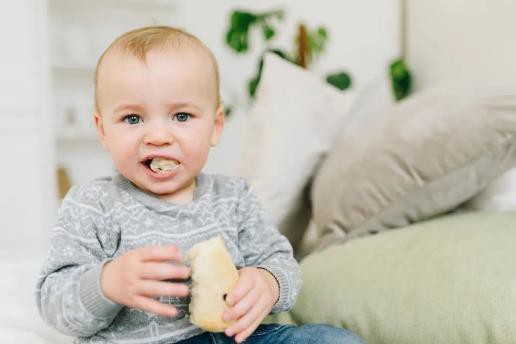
[{"x": 285, "y": 334}]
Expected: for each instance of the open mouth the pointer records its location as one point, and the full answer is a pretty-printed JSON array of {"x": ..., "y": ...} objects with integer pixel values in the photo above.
[{"x": 161, "y": 165}]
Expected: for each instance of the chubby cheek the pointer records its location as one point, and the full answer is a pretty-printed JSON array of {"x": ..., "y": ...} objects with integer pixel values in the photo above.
[
  {"x": 124, "y": 154},
  {"x": 122, "y": 164},
  {"x": 195, "y": 155}
]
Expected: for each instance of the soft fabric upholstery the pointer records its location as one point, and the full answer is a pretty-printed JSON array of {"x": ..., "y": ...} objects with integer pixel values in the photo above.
[
  {"x": 499, "y": 195},
  {"x": 294, "y": 121},
  {"x": 426, "y": 156},
  {"x": 447, "y": 280},
  {"x": 372, "y": 99}
]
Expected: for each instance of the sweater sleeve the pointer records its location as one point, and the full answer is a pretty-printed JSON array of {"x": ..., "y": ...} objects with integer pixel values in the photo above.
[
  {"x": 68, "y": 293},
  {"x": 263, "y": 246}
]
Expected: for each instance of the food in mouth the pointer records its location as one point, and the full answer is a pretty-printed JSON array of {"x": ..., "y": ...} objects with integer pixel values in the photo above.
[{"x": 162, "y": 164}]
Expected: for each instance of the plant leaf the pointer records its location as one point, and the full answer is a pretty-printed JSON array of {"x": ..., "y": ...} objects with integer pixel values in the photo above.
[
  {"x": 401, "y": 79},
  {"x": 341, "y": 80},
  {"x": 237, "y": 35},
  {"x": 268, "y": 32}
]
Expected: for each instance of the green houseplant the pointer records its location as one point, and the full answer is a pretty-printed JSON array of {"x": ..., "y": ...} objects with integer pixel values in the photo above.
[{"x": 309, "y": 44}]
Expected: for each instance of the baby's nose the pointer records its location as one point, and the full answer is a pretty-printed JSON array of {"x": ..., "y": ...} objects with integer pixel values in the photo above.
[{"x": 158, "y": 136}]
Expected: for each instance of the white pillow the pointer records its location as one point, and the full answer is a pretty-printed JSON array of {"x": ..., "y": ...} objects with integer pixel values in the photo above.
[
  {"x": 293, "y": 122},
  {"x": 498, "y": 196},
  {"x": 370, "y": 103}
]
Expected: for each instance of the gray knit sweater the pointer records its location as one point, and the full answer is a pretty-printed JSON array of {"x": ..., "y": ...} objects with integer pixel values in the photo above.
[{"x": 101, "y": 220}]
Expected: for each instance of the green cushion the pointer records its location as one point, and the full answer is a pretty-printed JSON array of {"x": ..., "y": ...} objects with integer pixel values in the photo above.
[{"x": 447, "y": 280}]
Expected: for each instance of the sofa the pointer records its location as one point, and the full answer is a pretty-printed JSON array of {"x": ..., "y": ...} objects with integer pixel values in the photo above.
[{"x": 411, "y": 230}]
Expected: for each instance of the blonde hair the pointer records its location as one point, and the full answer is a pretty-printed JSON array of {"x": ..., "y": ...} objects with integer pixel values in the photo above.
[{"x": 140, "y": 41}]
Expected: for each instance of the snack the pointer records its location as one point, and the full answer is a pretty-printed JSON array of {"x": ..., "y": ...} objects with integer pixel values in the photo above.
[{"x": 213, "y": 276}]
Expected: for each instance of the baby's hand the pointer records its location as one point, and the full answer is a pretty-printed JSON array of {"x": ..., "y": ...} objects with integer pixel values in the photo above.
[
  {"x": 138, "y": 276},
  {"x": 250, "y": 302}
]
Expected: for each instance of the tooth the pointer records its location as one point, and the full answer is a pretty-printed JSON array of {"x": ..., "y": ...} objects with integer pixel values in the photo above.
[{"x": 161, "y": 164}]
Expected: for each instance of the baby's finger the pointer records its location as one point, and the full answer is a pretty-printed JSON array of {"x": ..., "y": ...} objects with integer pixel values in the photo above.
[
  {"x": 152, "y": 306},
  {"x": 244, "y": 334},
  {"x": 243, "y": 286},
  {"x": 242, "y": 306},
  {"x": 159, "y": 253},
  {"x": 247, "y": 321},
  {"x": 159, "y": 288},
  {"x": 164, "y": 271},
  {"x": 240, "y": 337}
]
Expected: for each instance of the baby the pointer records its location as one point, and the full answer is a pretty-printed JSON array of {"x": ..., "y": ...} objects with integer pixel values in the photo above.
[{"x": 114, "y": 272}]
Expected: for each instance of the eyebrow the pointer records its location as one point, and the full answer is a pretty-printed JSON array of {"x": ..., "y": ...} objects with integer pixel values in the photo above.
[
  {"x": 140, "y": 107},
  {"x": 183, "y": 105},
  {"x": 128, "y": 106}
]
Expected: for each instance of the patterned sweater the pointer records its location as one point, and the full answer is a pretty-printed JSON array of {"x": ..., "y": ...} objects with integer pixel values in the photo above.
[{"x": 101, "y": 220}]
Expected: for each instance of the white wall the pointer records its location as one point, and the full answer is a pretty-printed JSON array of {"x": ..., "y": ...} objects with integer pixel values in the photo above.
[
  {"x": 461, "y": 42},
  {"x": 27, "y": 186},
  {"x": 364, "y": 38},
  {"x": 363, "y": 34}
]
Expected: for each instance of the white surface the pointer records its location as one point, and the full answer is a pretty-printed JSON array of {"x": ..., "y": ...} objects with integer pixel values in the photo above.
[
  {"x": 499, "y": 196},
  {"x": 371, "y": 102},
  {"x": 20, "y": 321},
  {"x": 461, "y": 41}
]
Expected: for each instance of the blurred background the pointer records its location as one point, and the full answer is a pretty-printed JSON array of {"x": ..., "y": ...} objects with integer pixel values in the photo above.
[
  {"x": 49, "y": 52},
  {"x": 50, "y": 49}
]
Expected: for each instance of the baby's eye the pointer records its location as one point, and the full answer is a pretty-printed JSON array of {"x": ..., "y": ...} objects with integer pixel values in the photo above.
[
  {"x": 182, "y": 116},
  {"x": 132, "y": 119}
]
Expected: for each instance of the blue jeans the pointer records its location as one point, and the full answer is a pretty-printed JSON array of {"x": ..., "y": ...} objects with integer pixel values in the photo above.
[{"x": 285, "y": 334}]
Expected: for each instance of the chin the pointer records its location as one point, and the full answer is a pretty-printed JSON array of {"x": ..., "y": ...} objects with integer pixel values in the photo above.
[{"x": 162, "y": 191}]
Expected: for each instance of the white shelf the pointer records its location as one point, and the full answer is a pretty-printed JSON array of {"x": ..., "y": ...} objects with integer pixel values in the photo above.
[{"x": 76, "y": 134}]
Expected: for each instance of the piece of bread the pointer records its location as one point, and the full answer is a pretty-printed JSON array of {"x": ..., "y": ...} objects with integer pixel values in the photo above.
[{"x": 213, "y": 276}]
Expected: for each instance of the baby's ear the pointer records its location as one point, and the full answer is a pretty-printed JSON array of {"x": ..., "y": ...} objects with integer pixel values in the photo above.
[
  {"x": 218, "y": 126},
  {"x": 97, "y": 119}
]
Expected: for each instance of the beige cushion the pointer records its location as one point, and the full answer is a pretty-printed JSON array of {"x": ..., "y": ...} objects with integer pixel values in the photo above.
[
  {"x": 426, "y": 156},
  {"x": 295, "y": 120}
]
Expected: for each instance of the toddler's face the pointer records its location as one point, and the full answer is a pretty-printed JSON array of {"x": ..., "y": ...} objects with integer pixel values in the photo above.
[{"x": 159, "y": 118}]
